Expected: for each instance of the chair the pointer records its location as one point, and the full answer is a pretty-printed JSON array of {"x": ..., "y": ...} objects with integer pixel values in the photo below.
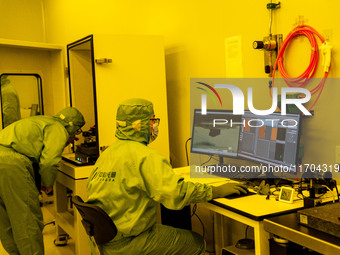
[{"x": 97, "y": 223}]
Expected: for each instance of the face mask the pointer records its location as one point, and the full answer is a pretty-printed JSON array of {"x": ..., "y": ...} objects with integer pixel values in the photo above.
[{"x": 154, "y": 132}]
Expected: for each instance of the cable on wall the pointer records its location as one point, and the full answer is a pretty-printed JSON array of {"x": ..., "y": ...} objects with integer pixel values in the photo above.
[
  {"x": 303, "y": 78},
  {"x": 186, "y": 151}
]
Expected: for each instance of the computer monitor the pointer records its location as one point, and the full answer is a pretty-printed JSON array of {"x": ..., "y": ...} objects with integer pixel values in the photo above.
[
  {"x": 271, "y": 140},
  {"x": 213, "y": 133}
]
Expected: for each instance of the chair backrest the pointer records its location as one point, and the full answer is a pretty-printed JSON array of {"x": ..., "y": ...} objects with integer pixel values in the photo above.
[{"x": 95, "y": 221}]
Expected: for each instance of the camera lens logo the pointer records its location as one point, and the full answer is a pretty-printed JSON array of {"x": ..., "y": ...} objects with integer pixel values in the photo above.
[{"x": 204, "y": 96}]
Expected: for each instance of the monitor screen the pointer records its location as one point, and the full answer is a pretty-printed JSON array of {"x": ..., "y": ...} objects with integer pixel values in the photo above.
[
  {"x": 271, "y": 139},
  {"x": 214, "y": 134}
]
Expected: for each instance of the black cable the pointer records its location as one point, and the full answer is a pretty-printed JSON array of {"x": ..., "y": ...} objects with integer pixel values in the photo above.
[
  {"x": 213, "y": 231},
  {"x": 246, "y": 232},
  {"x": 207, "y": 160},
  {"x": 186, "y": 150},
  {"x": 299, "y": 197},
  {"x": 337, "y": 192},
  {"x": 277, "y": 184},
  {"x": 203, "y": 228},
  {"x": 52, "y": 222},
  {"x": 300, "y": 189},
  {"x": 194, "y": 213},
  {"x": 194, "y": 208}
]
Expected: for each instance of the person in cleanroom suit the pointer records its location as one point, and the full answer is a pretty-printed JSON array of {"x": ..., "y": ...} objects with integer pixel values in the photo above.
[
  {"x": 10, "y": 102},
  {"x": 39, "y": 139},
  {"x": 129, "y": 180}
]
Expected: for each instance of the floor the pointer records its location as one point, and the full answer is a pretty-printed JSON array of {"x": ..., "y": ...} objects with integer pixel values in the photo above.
[{"x": 49, "y": 234}]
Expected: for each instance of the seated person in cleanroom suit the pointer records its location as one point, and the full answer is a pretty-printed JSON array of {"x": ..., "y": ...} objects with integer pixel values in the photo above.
[
  {"x": 10, "y": 102},
  {"x": 130, "y": 179},
  {"x": 38, "y": 139}
]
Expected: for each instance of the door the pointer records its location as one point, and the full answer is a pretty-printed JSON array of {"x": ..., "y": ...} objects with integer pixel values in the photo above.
[{"x": 83, "y": 96}]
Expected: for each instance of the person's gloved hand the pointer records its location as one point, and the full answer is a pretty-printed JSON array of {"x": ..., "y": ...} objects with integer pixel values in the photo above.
[
  {"x": 264, "y": 188},
  {"x": 229, "y": 189}
]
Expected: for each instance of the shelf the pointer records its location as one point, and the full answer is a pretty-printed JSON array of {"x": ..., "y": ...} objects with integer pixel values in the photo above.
[{"x": 29, "y": 45}]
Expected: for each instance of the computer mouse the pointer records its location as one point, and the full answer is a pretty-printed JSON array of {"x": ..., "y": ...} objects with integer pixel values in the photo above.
[{"x": 245, "y": 243}]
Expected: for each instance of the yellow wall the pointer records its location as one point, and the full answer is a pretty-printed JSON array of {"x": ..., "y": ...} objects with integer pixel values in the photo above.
[
  {"x": 22, "y": 20},
  {"x": 195, "y": 33}
]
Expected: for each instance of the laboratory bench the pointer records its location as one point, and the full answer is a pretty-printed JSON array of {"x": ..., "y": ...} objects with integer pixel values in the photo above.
[
  {"x": 288, "y": 227},
  {"x": 71, "y": 181},
  {"x": 255, "y": 211},
  {"x": 251, "y": 210},
  {"x": 248, "y": 210}
]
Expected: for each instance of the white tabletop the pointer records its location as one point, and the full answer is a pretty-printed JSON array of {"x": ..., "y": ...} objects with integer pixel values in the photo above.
[{"x": 254, "y": 206}]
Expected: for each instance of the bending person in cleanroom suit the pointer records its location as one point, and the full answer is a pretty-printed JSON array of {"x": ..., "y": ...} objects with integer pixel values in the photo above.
[
  {"x": 39, "y": 139},
  {"x": 129, "y": 180},
  {"x": 10, "y": 102}
]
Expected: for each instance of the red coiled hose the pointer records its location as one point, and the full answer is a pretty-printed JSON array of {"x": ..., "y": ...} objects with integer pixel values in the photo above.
[{"x": 303, "y": 78}]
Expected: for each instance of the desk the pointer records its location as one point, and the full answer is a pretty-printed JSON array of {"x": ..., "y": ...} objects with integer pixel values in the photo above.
[
  {"x": 288, "y": 227},
  {"x": 68, "y": 221},
  {"x": 249, "y": 210}
]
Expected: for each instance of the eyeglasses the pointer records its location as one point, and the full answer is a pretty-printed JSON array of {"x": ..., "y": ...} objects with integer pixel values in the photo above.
[
  {"x": 78, "y": 132},
  {"x": 156, "y": 120}
]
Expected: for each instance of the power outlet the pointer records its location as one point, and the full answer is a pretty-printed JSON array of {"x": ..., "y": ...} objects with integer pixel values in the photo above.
[{"x": 337, "y": 154}]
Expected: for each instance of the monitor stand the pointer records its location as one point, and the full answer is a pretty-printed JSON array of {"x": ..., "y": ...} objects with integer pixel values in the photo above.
[{"x": 221, "y": 159}]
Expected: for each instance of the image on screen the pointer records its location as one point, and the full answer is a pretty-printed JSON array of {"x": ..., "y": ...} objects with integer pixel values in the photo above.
[
  {"x": 219, "y": 139},
  {"x": 271, "y": 139}
]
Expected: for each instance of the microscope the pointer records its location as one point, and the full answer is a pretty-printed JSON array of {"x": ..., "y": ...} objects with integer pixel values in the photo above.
[{"x": 87, "y": 152}]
